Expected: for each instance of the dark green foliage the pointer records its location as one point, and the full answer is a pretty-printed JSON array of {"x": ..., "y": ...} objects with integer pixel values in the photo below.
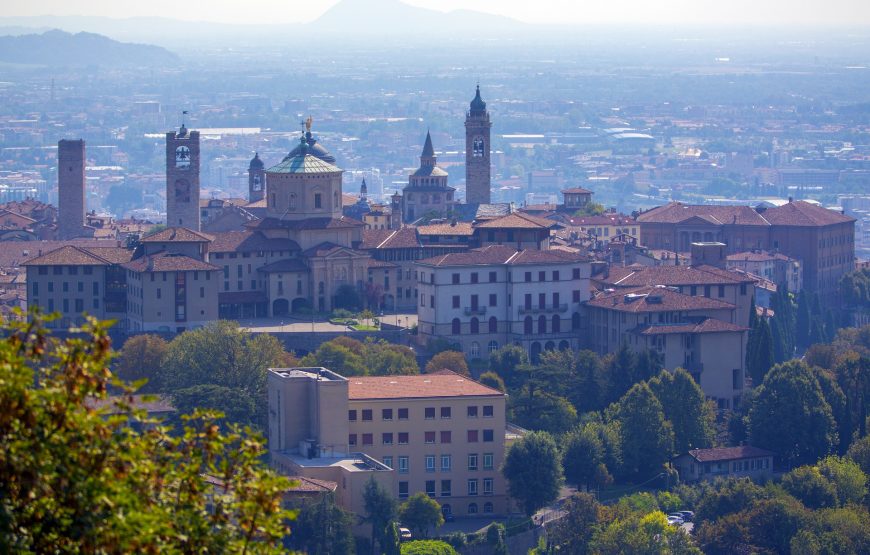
[
  {"x": 350, "y": 357},
  {"x": 724, "y": 497},
  {"x": 493, "y": 380},
  {"x": 647, "y": 438},
  {"x": 236, "y": 404},
  {"x": 420, "y": 513},
  {"x": 533, "y": 471},
  {"x": 583, "y": 452},
  {"x": 323, "y": 528},
  {"x": 507, "y": 361},
  {"x": 859, "y": 452},
  {"x": 812, "y": 489},
  {"x": 572, "y": 533},
  {"x": 347, "y": 297},
  {"x": 427, "y": 547},
  {"x": 380, "y": 508},
  {"x": 686, "y": 409},
  {"x": 759, "y": 351},
  {"x": 791, "y": 417}
]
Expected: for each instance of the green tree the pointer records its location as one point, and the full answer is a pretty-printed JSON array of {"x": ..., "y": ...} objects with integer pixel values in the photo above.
[
  {"x": 534, "y": 408},
  {"x": 573, "y": 532},
  {"x": 582, "y": 452},
  {"x": 859, "y": 452},
  {"x": 427, "y": 547},
  {"x": 337, "y": 358},
  {"x": 533, "y": 471},
  {"x": 323, "y": 528},
  {"x": 647, "y": 437},
  {"x": 507, "y": 361},
  {"x": 74, "y": 479},
  {"x": 347, "y": 297},
  {"x": 380, "y": 511},
  {"x": 791, "y": 417},
  {"x": 686, "y": 408},
  {"x": 448, "y": 360},
  {"x": 236, "y": 404},
  {"x": 420, "y": 512},
  {"x": 808, "y": 485},
  {"x": 760, "y": 351},
  {"x": 846, "y": 476},
  {"x": 725, "y": 497},
  {"x": 493, "y": 380},
  {"x": 141, "y": 358},
  {"x": 803, "y": 320}
]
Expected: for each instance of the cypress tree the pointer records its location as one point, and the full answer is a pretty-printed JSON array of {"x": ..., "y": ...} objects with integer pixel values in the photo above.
[{"x": 761, "y": 358}]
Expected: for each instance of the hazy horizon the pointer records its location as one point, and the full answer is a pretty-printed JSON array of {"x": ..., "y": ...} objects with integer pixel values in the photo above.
[{"x": 773, "y": 13}]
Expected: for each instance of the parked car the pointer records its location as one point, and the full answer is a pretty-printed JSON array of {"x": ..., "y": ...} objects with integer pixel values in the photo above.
[
  {"x": 675, "y": 520},
  {"x": 688, "y": 516},
  {"x": 404, "y": 534}
]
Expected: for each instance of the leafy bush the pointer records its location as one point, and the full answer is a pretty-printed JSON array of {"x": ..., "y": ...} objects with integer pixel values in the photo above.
[{"x": 427, "y": 547}]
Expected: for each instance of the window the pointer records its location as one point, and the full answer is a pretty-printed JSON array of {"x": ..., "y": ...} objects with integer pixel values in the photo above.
[
  {"x": 487, "y": 461},
  {"x": 542, "y": 300},
  {"x": 492, "y": 277},
  {"x": 721, "y": 290},
  {"x": 446, "y": 463},
  {"x": 455, "y": 278},
  {"x": 445, "y": 412},
  {"x": 445, "y": 488},
  {"x": 36, "y": 288},
  {"x": 351, "y": 439},
  {"x": 555, "y": 275},
  {"x": 474, "y": 325},
  {"x": 403, "y": 414},
  {"x": 742, "y": 288},
  {"x": 472, "y": 486},
  {"x": 403, "y": 438},
  {"x": 366, "y": 415},
  {"x": 528, "y": 301},
  {"x": 575, "y": 273},
  {"x": 318, "y": 200},
  {"x": 80, "y": 305},
  {"x": 528, "y": 276},
  {"x": 430, "y": 463},
  {"x": 472, "y": 436},
  {"x": 387, "y": 438},
  {"x": 575, "y": 296},
  {"x": 73, "y": 270},
  {"x": 388, "y": 461},
  {"x": 386, "y": 414},
  {"x": 445, "y": 436},
  {"x": 50, "y": 285},
  {"x": 367, "y": 439},
  {"x": 403, "y": 465},
  {"x": 487, "y": 486},
  {"x": 351, "y": 415},
  {"x": 487, "y": 411},
  {"x": 66, "y": 288},
  {"x": 430, "y": 437},
  {"x": 96, "y": 287},
  {"x": 403, "y": 490},
  {"x": 493, "y": 328},
  {"x": 487, "y": 507},
  {"x": 493, "y": 299},
  {"x": 430, "y": 488},
  {"x": 455, "y": 327},
  {"x": 707, "y": 291},
  {"x": 473, "y": 277},
  {"x": 472, "y": 461},
  {"x": 455, "y": 301},
  {"x": 472, "y": 412},
  {"x": 488, "y": 435},
  {"x": 430, "y": 413},
  {"x": 57, "y": 270},
  {"x": 472, "y": 508}
]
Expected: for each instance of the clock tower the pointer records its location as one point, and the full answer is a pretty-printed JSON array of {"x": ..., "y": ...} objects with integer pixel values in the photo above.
[
  {"x": 256, "y": 179},
  {"x": 477, "y": 152},
  {"x": 182, "y": 179}
]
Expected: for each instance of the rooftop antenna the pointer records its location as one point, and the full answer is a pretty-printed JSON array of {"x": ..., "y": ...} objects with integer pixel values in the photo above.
[{"x": 183, "y": 113}]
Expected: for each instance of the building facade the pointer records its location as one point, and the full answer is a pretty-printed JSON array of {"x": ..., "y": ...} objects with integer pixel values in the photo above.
[
  {"x": 182, "y": 179},
  {"x": 427, "y": 193},
  {"x": 478, "y": 147},
  {"x": 71, "y": 189}
]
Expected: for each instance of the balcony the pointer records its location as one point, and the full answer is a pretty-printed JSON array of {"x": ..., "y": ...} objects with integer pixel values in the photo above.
[
  {"x": 546, "y": 309},
  {"x": 475, "y": 310}
]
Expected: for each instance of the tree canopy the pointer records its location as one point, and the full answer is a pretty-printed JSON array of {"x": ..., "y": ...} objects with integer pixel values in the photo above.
[{"x": 533, "y": 471}]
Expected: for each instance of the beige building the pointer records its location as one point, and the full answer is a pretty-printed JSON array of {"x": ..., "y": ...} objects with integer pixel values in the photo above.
[
  {"x": 442, "y": 434},
  {"x": 709, "y": 464},
  {"x": 775, "y": 267}
]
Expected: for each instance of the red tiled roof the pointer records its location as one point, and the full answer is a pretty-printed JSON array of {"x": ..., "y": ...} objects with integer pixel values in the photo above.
[
  {"x": 249, "y": 241},
  {"x": 708, "y": 325},
  {"x": 285, "y": 265},
  {"x": 381, "y": 264},
  {"x": 603, "y": 219},
  {"x": 638, "y": 275},
  {"x": 517, "y": 220},
  {"x": 453, "y": 228},
  {"x": 68, "y": 255},
  {"x": 178, "y": 235},
  {"x": 440, "y": 384},
  {"x": 729, "y": 453},
  {"x": 404, "y": 238},
  {"x": 493, "y": 254},
  {"x": 167, "y": 262},
  {"x": 311, "y": 223},
  {"x": 676, "y": 212},
  {"x": 113, "y": 255},
  {"x": 655, "y": 299},
  {"x": 551, "y": 256},
  {"x": 577, "y": 191},
  {"x": 757, "y": 256},
  {"x": 804, "y": 214}
]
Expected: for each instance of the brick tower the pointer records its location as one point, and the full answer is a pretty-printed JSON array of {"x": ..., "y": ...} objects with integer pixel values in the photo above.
[
  {"x": 182, "y": 179},
  {"x": 70, "y": 189},
  {"x": 256, "y": 179},
  {"x": 477, "y": 151}
]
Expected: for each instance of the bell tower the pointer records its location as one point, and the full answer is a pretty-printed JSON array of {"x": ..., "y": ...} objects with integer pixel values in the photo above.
[
  {"x": 477, "y": 152},
  {"x": 256, "y": 179},
  {"x": 182, "y": 179}
]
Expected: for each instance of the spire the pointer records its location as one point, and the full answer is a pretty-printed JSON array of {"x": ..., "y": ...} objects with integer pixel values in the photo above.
[
  {"x": 363, "y": 189},
  {"x": 478, "y": 106},
  {"x": 428, "y": 150}
]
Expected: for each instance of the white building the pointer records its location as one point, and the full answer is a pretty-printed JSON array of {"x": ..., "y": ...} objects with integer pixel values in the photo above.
[{"x": 486, "y": 298}]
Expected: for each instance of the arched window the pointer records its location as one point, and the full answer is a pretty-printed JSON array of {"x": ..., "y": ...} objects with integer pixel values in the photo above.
[
  {"x": 292, "y": 204},
  {"x": 542, "y": 324},
  {"x": 549, "y": 346},
  {"x": 557, "y": 324},
  {"x": 575, "y": 321},
  {"x": 475, "y": 349},
  {"x": 182, "y": 157},
  {"x": 487, "y": 507},
  {"x": 472, "y": 508},
  {"x": 564, "y": 345},
  {"x": 455, "y": 327},
  {"x": 527, "y": 325},
  {"x": 335, "y": 203},
  {"x": 475, "y": 325},
  {"x": 493, "y": 325},
  {"x": 493, "y": 346}
]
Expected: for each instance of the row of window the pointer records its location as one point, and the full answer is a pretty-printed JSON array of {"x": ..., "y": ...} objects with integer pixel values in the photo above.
[
  {"x": 471, "y": 488},
  {"x": 429, "y": 413},
  {"x": 404, "y": 462},
  {"x": 79, "y": 305},
  {"x": 474, "y": 277},
  {"x": 403, "y": 438},
  {"x": 80, "y": 287},
  {"x": 70, "y": 270},
  {"x": 260, "y": 254}
]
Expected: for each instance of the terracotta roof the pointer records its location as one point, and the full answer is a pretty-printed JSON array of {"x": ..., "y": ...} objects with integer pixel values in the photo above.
[
  {"x": 179, "y": 235},
  {"x": 313, "y": 485},
  {"x": 249, "y": 241},
  {"x": 603, "y": 219},
  {"x": 286, "y": 265},
  {"x": 655, "y": 299},
  {"x": 440, "y": 384},
  {"x": 168, "y": 262},
  {"x": 342, "y": 222},
  {"x": 517, "y": 220},
  {"x": 493, "y": 254},
  {"x": 68, "y": 255},
  {"x": 729, "y": 453},
  {"x": 452, "y": 228},
  {"x": 403, "y": 238},
  {"x": 676, "y": 212},
  {"x": 381, "y": 264},
  {"x": 577, "y": 191},
  {"x": 804, "y": 214},
  {"x": 639, "y": 275},
  {"x": 708, "y": 325},
  {"x": 113, "y": 255},
  {"x": 758, "y": 256},
  {"x": 551, "y": 256}
]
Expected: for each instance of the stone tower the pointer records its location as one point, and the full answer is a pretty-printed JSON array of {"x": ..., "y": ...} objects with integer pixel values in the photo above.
[
  {"x": 70, "y": 189},
  {"x": 477, "y": 151},
  {"x": 182, "y": 179},
  {"x": 256, "y": 179}
]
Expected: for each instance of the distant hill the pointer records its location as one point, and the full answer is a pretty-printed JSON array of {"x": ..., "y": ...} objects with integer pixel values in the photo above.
[{"x": 81, "y": 49}]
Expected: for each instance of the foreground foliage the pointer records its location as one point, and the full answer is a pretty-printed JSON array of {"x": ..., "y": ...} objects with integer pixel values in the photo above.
[{"x": 75, "y": 478}]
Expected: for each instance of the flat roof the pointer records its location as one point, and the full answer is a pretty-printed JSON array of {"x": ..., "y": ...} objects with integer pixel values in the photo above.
[
  {"x": 352, "y": 462},
  {"x": 443, "y": 383}
]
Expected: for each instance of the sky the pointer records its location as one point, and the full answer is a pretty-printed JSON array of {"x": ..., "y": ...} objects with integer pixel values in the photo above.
[{"x": 629, "y": 12}]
